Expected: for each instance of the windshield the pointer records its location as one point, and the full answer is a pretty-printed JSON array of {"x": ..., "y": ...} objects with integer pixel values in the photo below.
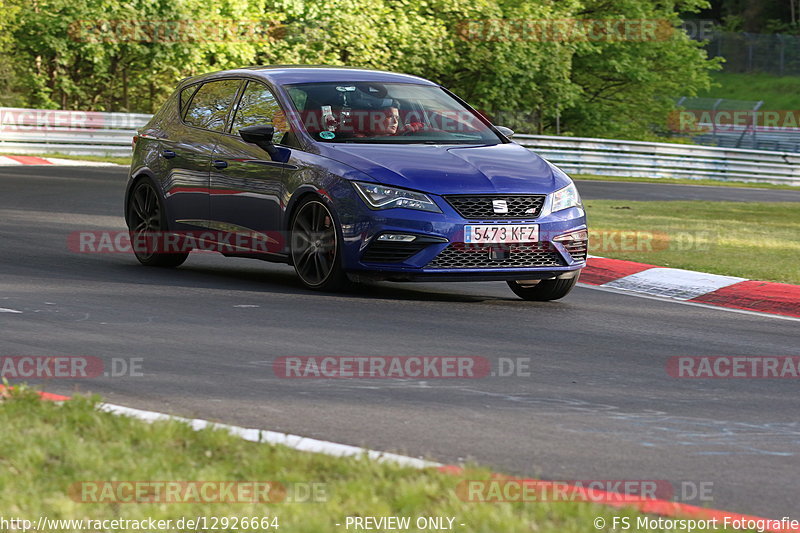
[{"x": 388, "y": 113}]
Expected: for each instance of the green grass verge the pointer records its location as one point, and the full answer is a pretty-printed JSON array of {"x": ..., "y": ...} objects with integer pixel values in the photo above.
[
  {"x": 777, "y": 92},
  {"x": 752, "y": 240},
  {"x": 685, "y": 181},
  {"x": 48, "y": 447},
  {"x": 98, "y": 158}
]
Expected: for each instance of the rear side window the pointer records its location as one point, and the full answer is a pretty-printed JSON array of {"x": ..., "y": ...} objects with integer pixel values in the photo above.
[
  {"x": 209, "y": 107},
  {"x": 258, "y": 106},
  {"x": 186, "y": 97}
]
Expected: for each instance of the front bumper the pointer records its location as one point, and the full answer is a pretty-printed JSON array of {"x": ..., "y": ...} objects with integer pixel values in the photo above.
[{"x": 450, "y": 259}]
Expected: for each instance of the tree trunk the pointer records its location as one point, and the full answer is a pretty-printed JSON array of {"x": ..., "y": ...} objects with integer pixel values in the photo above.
[
  {"x": 125, "y": 101},
  {"x": 539, "y": 120}
]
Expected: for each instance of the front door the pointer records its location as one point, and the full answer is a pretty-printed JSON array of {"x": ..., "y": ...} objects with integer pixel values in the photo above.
[{"x": 247, "y": 187}]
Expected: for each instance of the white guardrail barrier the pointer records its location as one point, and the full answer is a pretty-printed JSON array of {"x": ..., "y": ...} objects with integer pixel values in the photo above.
[
  {"x": 608, "y": 157},
  {"x": 45, "y": 131},
  {"x": 37, "y": 131}
]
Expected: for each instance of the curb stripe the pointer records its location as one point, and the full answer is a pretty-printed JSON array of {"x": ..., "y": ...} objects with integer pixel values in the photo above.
[
  {"x": 600, "y": 270},
  {"x": 693, "y": 287},
  {"x": 673, "y": 282},
  {"x": 777, "y": 298},
  {"x": 29, "y": 160},
  {"x": 16, "y": 160},
  {"x": 654, "y": 506}
]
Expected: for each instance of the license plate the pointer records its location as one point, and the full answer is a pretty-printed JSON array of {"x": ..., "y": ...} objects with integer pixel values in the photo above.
[{"x": 501, "y": 233}]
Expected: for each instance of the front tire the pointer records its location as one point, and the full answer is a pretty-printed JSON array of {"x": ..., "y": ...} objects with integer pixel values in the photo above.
[
  {"x": 315, "y": 247},
  {"x": 545, "y": 290},
  {"x": 147, "y": 223}
]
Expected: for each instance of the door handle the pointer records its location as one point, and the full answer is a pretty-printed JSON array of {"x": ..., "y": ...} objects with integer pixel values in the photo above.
[
  {"x": 168, "y": 154},
  {"x": 218, "y": 163}
]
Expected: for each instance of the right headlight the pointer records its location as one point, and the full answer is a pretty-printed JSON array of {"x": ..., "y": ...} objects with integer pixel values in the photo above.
[
  {"x": 566, "y": 198},
  {"x": 382, "y": 197}
]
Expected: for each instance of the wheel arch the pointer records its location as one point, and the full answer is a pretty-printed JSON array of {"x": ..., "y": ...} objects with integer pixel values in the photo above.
[{"x": 136, "y": 177}]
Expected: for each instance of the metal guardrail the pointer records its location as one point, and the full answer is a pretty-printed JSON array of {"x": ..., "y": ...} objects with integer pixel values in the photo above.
[
  {"x": 32, "y": 131},
  {"x": 781, "y": 139},
  {"x": 607, "y": 157},
  {"x": 39, "y": 131}
]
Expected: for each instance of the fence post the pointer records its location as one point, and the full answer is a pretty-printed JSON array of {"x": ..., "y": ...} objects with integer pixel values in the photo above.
[{"x": 714, "y": 120}]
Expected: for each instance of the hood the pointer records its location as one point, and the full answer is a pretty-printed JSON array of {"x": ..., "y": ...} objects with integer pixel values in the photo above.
[{"x": 449, "y": 169}]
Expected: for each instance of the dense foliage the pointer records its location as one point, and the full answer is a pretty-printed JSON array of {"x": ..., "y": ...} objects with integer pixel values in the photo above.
[{"x": 128, "y": 55}]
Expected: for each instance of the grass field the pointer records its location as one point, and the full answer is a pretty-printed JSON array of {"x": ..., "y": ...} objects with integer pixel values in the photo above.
[
  {"x": 777, "y": 92},
  {"x": 50, "y": 449},
  {"x": 758, "y": 241}
]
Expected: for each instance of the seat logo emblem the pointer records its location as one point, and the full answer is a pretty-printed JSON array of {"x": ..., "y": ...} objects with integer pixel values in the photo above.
[{"x": 500, "y": 206}]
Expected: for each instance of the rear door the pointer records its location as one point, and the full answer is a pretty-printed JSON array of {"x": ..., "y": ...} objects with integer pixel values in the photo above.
[{"x": 187, "y": 151}]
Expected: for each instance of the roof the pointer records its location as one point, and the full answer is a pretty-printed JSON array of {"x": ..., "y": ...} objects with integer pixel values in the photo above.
[{"x": 291, "y": 74}]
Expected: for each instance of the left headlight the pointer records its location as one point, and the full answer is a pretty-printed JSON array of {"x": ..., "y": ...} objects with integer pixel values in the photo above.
[
  {"x": 565, "y": 198},
  {"x": 382, "y": 197}
]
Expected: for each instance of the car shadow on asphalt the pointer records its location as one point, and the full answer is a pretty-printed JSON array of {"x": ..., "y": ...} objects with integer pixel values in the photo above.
[{"x": 271, "y": 280}]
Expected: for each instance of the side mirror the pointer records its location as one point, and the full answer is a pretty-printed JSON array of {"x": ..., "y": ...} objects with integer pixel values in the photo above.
[
  {"x": 508, "y": 132},
  {"x": 261, "y": 136}
]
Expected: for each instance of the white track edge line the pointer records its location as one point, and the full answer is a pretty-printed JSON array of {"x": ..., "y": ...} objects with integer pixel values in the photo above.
[{"x": 296, "y": 442}]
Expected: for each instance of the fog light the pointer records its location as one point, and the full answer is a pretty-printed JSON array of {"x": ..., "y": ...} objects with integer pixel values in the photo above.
[
  {"x": 397, "y": 237},
  {"x": 580, "y": 235}
]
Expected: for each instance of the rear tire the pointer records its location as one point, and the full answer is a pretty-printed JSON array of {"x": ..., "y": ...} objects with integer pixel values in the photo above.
[
  {"x": 315, "y": 247},
  {"x": 545, "y": 290},
  {"x": 145, "y": 216}
]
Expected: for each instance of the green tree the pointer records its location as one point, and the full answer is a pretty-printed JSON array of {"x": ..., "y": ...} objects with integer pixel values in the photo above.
[
  {"x": 507, "y": 58},
  {"x": 628, "y": 86}
]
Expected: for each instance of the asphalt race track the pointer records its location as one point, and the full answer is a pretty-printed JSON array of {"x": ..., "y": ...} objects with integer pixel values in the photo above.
[
  {"x": 598, "y": 403},
  {"x": 664, "y": 192}
]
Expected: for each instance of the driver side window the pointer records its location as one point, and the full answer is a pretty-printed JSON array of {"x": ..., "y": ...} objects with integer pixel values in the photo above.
[{"x": 258, "y": 106}]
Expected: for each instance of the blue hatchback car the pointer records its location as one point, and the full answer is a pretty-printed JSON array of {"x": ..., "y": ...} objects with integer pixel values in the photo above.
[{"x": 350, "y": 174}]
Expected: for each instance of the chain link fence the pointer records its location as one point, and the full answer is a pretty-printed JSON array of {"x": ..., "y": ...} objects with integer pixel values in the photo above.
[
  {"x": 737, "y": 124},
  {"x": 753, "y": 52}
]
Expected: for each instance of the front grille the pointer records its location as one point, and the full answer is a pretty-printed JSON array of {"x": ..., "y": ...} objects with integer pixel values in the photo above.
[
  {"x": 391, "y": 252},
  {"x": 577, "y": 249},
  {"x": 481, "y": 208},
  {"x": 460, "y": 255}
]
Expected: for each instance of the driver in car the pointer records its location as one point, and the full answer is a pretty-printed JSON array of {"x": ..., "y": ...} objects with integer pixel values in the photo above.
[{"x": 386, "y": 122}]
